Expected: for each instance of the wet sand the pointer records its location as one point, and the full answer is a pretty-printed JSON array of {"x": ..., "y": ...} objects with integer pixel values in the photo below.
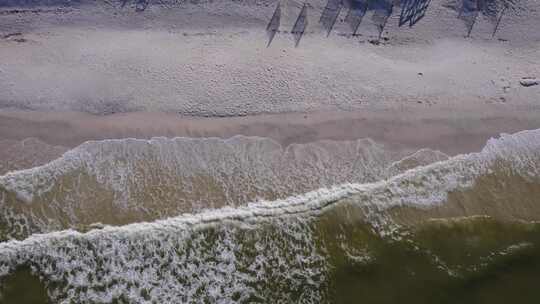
[
  {"x": 406, "y": 130},
  {"x": 413, "y": 128}
]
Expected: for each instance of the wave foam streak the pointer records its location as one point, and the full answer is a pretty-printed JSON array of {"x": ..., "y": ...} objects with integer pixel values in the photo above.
[
  {"x": 123, "y": 181},
  {"x": 266, "y": 250},
  {"x": 223, "y": 263}
]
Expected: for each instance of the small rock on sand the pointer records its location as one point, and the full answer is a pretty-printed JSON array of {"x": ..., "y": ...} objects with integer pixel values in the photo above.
[{"x": 529, "y": 81}]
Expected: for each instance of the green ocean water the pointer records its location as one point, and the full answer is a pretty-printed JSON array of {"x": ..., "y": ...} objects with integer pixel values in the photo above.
[{"x": 465, "y": 260}]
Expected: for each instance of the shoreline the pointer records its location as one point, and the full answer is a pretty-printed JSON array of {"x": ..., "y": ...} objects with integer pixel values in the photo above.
[{"x": 451, "y": 132}]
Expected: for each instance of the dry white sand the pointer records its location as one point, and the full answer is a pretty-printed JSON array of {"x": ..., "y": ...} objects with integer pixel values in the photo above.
[{"x": 211, "y": 59}]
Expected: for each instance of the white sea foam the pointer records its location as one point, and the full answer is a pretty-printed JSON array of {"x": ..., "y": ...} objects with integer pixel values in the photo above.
[
  {"x": 138, "y": 180},
  {"x": 229, "y": 253}
]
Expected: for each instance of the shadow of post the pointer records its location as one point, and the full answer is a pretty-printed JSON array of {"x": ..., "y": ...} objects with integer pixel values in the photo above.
[
  {"x": 413, "y": 11},
  {"x": 330, "y": 14},
  {"x": 300, "y": 25},
  {"x": 469, "y": 13},
  {"x": 357, "y": 10},
  {"x": 141, "y": 5},
  {"x": 382, "y": 11},
  {"x": 273, "y": 26},
  {"x": 494, "y": 11}
]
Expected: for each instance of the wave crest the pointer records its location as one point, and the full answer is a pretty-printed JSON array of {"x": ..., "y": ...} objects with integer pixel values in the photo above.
[{"x": 210, "y": 253}]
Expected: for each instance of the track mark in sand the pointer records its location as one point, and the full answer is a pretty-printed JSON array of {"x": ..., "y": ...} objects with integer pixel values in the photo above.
[
  {"x": 16, "y": 37},
  {"x": 34, "y": 11}
]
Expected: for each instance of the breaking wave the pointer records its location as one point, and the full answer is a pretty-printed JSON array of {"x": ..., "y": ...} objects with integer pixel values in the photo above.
[
  {"x": 124, "y": 181},
  {"x": 309, "y": 248}
]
